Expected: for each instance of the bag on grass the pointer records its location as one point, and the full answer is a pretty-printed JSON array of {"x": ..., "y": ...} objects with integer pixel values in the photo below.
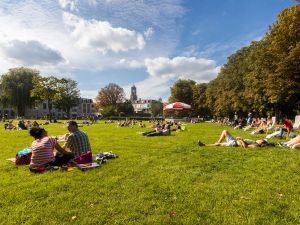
[
  {"x": 102, "y": 157},
  {"x": 23, "y": 157},
  {"x": 84, "y": 158}
]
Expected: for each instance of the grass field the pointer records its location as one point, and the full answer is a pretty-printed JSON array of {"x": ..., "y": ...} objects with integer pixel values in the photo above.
[{"x": 155, "y": 180}]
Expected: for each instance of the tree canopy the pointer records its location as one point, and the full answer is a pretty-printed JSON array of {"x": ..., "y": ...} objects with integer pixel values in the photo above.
[
  {"x": 110, "y": 95},
  {"x": 263, "y": 77},
  {"x": 67, "y": 95},
  {"x": 15, "y": 87}
]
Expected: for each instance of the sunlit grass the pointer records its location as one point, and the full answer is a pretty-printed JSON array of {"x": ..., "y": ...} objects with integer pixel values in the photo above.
[{"x": 157, "y": 180}]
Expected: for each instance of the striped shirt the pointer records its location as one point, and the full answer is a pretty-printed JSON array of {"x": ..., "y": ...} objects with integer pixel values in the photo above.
[
  {"x": 78, "y": 142},
  {"x": 42, "y": 151}
]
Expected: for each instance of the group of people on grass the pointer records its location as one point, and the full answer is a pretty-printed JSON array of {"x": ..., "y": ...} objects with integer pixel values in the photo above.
[
  {"x": 162, "y": 128},
  {"x": 286, "y": 127},
  {"x": 21, "y": 125},
  {"x": 76, "y": 145},
  {"x": 77, "y": 142}
]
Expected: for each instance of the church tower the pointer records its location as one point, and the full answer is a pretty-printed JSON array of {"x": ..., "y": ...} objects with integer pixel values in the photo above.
[{"x": 133, "y": 95}]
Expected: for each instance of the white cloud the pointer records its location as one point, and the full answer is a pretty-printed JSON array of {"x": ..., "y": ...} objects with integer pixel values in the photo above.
[
  {"x": 102, "y": 36},
  {"x": 68, "y": 4},
  {"x": 164, "y": 71},
  {"x": 198, "y": 69},
  {"x": 149, "y": 32},
  {"x": 131, "y": 63},
  {"x": 152, "y": 87},
  {"x": 88, "y": 93},
  {"x": 31, "y": 53}
]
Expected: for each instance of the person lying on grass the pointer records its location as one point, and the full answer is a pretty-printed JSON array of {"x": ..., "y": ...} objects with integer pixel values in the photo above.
[
  {"x": 293, "y": 143},
  {"x": 42, "y": 150},
  {"x": 159, "y": 131},
  {"x": 9, "y": 126},
  {"x": 234, "y": 142}
]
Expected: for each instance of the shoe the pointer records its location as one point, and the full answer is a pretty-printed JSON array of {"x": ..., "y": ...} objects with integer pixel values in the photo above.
[{"x": 200, "y": 143}]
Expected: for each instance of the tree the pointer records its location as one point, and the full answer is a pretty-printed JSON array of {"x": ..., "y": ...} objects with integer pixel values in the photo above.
[
  {"x": 284, "y": 80},
  {"x": 16, "y": 86},
  {"x": 67, "y": 95},
  {"x": 110, "y": 95},
  {"x": 225, "y": 93},
  {"x": 108, "y": 110},
  {"x": 199, "y": 104},
  {"x": 125, "y": 107},
  {"x": 182, "y": 91},
  {"x": 45, "y": 88},
  {"x": 157, "y": 108}
]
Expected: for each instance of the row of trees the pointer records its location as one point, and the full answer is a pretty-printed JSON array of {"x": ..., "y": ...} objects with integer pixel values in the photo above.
[
  {"x": 23, "y": 88},
  {"x": 263, "y": 77}
]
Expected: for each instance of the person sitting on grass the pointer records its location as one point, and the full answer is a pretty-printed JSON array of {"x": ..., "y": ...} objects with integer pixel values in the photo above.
[
  {"x": 28, "y": 124},
  {"x": 286, "y": 126},
  {"x": 261, "y": 128},
  {"x": 177, "y": 128},
  {"x": 77, "y": 141},
  {"x": 21, "y": 125},
  {"x": 35, "y": 124},
  {"x": 42, "y": 150},
  {"x": 10, "y": 126}
]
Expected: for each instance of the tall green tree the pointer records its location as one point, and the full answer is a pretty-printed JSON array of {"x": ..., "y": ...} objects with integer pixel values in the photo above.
[
  {"x": 199, "y": 104},
  {"x": 157, "y": 108},
  {"x": 67, "y": 95},
  {"x": 45, "y": 89},
  {"x": 284, "y": 38},
  {"x": 182, "y": 91},
  {"x": 16, "y": 86},
  {"x": 225, "y": 93},
  {"x": 125, "y": 108}
]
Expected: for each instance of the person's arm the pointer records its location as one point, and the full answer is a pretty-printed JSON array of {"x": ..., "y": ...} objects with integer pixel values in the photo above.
[
  {"x": 62, "y": 150},
  {"x": 288, "y": 133},
  {"x": 68, "y": 141}
]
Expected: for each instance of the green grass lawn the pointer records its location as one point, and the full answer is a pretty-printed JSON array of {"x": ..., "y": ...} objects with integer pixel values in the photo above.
[{"x": 155, "y": 180}]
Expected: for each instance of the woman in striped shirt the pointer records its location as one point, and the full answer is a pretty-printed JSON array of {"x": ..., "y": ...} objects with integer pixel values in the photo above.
[{"x": 42, "y": 150}]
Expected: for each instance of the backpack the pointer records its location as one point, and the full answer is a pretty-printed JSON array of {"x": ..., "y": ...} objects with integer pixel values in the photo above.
[
  {"x": 23, "y": 157},
  {"x": 102, "y": 157}
]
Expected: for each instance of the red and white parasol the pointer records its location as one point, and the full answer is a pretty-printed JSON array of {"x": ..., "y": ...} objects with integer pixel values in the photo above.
[{"x": 177, "y": 106}]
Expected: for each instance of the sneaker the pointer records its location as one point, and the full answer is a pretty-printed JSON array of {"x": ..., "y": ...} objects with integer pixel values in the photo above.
[
  {"x": 279, "y": 144},
  {"x": 200, "y": 143}
]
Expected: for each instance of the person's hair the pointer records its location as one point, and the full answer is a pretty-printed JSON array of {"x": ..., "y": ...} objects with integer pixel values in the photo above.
[
  {"x": 36, "y": 132},
  {"x": 73, "y": 123}
]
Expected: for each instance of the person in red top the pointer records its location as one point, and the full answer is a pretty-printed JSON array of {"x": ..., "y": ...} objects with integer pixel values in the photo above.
[
  {"x": 287, "y": 126},
  {"x": 42, "y": 150}
]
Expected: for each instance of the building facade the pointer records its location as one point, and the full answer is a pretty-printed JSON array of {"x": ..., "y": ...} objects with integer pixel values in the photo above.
[
  {"x": 85, "y": 108},
  {"x": 142, "y": 106}
]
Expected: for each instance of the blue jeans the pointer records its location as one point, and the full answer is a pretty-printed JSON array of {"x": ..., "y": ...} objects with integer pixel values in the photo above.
[
  {"x": 282, "y": 130},
  {"x": 155, "y": 133}
]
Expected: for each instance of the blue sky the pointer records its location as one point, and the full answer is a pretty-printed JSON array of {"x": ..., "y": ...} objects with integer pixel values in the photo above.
[{"x": 149, "y": 43}]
